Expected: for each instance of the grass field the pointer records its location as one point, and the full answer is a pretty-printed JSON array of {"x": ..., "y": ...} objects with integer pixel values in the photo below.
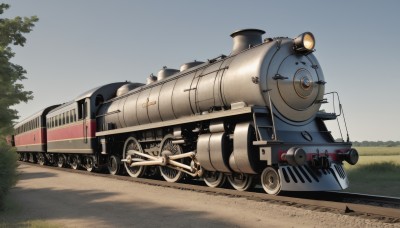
[
  {"x": 377, "y": 172},
  {"x": 378, "y": 151}
]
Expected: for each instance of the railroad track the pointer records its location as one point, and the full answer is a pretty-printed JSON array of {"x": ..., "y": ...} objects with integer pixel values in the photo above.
[
  {"x": 355, "y": 198},
  {"x": 382, "y": 208}
]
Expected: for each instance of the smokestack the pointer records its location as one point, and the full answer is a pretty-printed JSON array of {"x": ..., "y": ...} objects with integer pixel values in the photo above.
[{"x": 245, "y": 38}]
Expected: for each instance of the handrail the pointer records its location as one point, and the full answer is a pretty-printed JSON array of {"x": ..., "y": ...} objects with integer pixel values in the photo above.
[
  {"x": 341, "y": 111},
  {"x": 275, "y": 137}
]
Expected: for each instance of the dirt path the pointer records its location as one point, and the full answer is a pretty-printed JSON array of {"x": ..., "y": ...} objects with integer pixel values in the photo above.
[{"x": 73, "y": 200}]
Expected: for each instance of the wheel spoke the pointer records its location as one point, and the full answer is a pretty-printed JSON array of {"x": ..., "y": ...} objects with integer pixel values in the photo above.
[
  {"x": 167, "y": 149},
  {"x": 132, "y": 144}
]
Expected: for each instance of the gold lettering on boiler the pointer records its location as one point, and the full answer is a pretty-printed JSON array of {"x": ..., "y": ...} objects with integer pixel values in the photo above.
[{"x": 148, "y": 103}]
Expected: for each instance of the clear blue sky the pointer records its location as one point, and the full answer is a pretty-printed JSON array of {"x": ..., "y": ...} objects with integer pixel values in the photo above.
[{"x": 77, "y": 45}]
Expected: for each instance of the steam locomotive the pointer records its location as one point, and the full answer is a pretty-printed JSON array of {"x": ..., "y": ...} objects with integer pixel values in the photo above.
[{"x": 249, "y": 117}]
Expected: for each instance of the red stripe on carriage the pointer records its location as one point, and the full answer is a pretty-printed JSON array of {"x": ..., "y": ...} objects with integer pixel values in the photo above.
[
  {"x": 33, "y": 137},
  {"x": 72, "y": 131}
]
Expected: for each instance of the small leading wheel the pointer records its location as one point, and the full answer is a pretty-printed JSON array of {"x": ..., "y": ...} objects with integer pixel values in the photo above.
[
  {"x": 240, "y": 182},
  {"x": 74, "y": 161},
  {"x": 168, "y": 149},
  {"x": 61, "y": 160},
  {"x": 132, "y": 144},
  {"x": 41, "y": 159},
  {"x": 89, "y": 163},
  {"x": 214, "y": 179},
  {"x": 270, "y": 181},
  {"x": 114, "y": 165}
]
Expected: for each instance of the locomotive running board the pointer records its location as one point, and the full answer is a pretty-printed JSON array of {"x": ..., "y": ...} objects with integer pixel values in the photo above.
[{"x": 184, "y": 120}]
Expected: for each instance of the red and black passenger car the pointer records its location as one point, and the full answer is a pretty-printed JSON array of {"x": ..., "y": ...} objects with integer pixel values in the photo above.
[{"x": 31, "y": 134}]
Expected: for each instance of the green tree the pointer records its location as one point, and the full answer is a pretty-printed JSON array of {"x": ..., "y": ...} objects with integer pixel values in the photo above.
[{"x": 11, "y": 90}]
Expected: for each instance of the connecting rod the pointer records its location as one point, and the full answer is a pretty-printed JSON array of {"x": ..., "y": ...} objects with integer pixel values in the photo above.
[{"x": 165, "y": 160}]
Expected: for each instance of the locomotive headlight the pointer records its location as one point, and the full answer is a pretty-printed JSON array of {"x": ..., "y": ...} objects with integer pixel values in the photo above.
[{"x": 304, "y": 42}]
